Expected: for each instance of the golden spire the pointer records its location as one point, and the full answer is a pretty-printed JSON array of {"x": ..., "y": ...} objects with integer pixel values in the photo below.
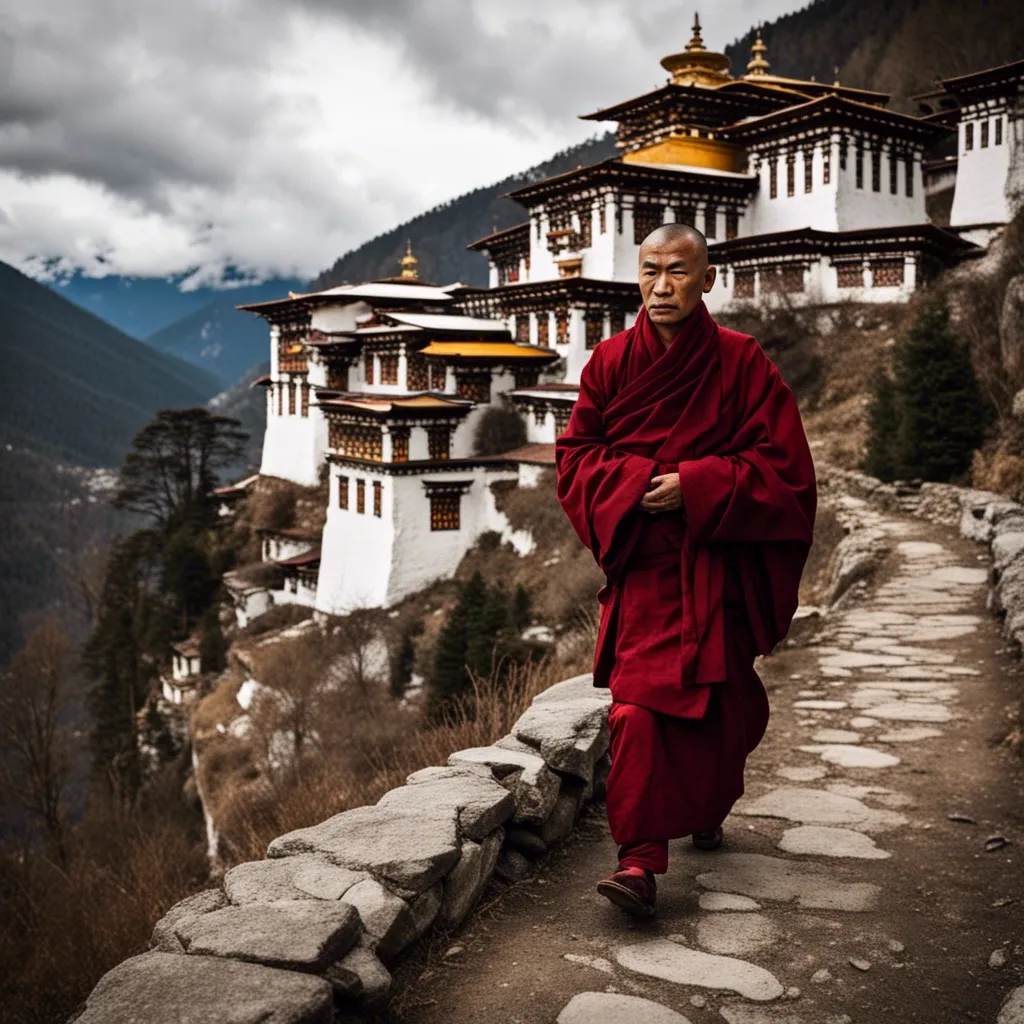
[
  {"x": 697, "y": 65},
  {"x": 758, "y": 64},
  {"x": 409, "y": 263}
]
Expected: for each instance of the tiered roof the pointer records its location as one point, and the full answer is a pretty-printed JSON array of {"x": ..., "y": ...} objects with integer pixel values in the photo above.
[{"x": 408, "y": 405}]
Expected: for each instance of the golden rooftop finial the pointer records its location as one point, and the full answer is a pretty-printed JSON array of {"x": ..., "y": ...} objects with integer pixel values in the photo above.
[
  {"x": 758, "y": 64},
  {"x": 409, "y": 262},
  {"x": 835, "y": 71},
  {"x": 697, "y": 65}
]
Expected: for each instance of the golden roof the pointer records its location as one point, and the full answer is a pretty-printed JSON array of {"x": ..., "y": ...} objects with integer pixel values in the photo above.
[
  {"x": 409, "y": 263},
  {"x": 697, "y": 65},
  {"x": 502, "y": 350}
]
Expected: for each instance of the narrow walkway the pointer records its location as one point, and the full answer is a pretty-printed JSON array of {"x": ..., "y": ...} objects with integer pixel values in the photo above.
[{"x": 866, "y": 875}]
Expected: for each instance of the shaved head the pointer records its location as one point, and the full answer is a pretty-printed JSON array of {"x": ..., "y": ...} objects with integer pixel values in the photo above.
[
  {"x": 674, "y": 274},
  {"x": 670, "y": 234}
]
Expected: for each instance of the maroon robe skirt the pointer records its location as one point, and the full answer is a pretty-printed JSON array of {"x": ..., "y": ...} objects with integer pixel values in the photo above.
[{"x": 673, "y": 773}]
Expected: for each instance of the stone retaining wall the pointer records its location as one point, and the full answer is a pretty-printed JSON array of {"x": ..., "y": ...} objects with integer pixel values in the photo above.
[{"x": 314, "y": 929}]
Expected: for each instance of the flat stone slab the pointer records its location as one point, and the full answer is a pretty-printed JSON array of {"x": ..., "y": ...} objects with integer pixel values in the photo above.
[
  {"x": 911, "y": 711},
  {"x": 522, "y": 771},
  {"x": 670, "y": 961},
  {"x": 410, "y": 851},
  {"x": 305, "y": 876},
  {"x": 1012, "y": 1010},
  {"x": 569, "y": 734},
  {"x": 822, "y": 841},
  {"x": 736, "y": 934},
  {"x": 836, "y": 736},
  {"x": 716, "y": 901},
  {"x": 847, "y": 755},
  {"x": 802, "y": 774},
  {"x": 297, "y": 934},
  {"x": 613, "y": 1008},
  {"x": 820, "y": 705},
  {"x": 816, "y": 807},
  {"x": 770, "y": 878},
  {"x": 164, "y": 934},
  {"x": 469, "y": 792},
  {"x": 912, "y": 734},
  {"x": 170, "y": 988},
  {"x": 742, "y": 1013}
]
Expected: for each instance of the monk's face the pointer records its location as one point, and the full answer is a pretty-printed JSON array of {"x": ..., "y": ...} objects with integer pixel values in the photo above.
[{"x": 674, "y": 275}]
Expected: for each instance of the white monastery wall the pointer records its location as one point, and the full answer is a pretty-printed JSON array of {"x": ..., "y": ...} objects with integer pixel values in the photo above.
[
  {"x": 277, "y": 548},
  {"x": 866, "y": 208},
  {"x": 980, "y": 196},
  {"x": 815, "y": 209},
  {"x": 295, "y": 591},
  {"x": 294, "y": 445},
  {"x": 341, "y": 317}
]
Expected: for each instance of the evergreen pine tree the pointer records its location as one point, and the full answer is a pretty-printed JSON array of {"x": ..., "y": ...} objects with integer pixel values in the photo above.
[
  {"x": 402, "y": 665},
  {"x": 942, "y": 416},
  {"x": 883, "y": 424},
  {"x": 213, "y": 646},
  {"x": 519, "y": 614},
  {"x": 450, "y": 679},
  {"x": 488, "y": 620}
]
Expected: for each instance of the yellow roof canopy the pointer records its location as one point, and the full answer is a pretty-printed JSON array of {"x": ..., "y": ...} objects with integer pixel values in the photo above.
[{"x": 497, "y": 350}]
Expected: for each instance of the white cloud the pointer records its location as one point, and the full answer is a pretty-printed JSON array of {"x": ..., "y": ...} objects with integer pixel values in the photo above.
[{"x": 140, "y": 137}]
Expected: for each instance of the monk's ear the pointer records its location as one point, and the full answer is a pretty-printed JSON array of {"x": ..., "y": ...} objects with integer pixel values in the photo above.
[{"x": 709, "y": 278}]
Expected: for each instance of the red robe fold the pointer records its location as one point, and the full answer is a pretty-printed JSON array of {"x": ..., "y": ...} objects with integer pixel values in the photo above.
[{"x": 691, "y": 595}]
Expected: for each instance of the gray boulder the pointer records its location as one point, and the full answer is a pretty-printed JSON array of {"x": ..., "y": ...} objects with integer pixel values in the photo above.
[
  {"x": 305, "y": 935},
  {"x": 561, "y": 819},
  {"x": 855, "y": 558},
  {"x": 166, "y": 988},
  {"x": 577, "y": 687},
  {"x": 164, "y": 937},
  {"x": 1008, "y": 593},
  {"x": 359, "y": 976},
  {"x": 522, "y": 771},
  {"x": 526, "y": 841},
  {"x": 424, "y": 908},
  {"x": 409, "y": 852},
  {"x": 386, "y": 918},
  {"x": 512, "y": 866},
  {"x": 1006, "y": 546},
  {"x": 306, "y": 876},
  {"x": 569, "y": 734},
  {"x": 468, "y": 879},
  {"x": 466, "y": 793}
]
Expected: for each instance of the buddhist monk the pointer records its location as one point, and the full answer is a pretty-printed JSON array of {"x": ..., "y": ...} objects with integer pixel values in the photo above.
[{"x": 685, "y": 469}]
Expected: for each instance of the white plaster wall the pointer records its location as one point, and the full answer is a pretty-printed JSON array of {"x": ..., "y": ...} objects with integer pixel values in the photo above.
[
  {"x": 542, "y": 263},
  {"x": 338, "y": 318},
  {"x": 815, "y": 209},
  {"x": 980, "y": 193},
  {"x": 250, "y": 605},
  {"x": 293, "y": 445},
  {"x": 357, "y": 550},
  {"x": 302, "y": 595},
  {"x": 542, "y": 432},
  {"x": 530, "y": 474},
  {"x": 277, "y": 548},
  {"x": 865, "y": 208}
]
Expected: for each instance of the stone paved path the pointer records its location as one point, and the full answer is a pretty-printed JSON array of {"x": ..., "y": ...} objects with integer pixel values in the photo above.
[{"x": 862, "y": 880}]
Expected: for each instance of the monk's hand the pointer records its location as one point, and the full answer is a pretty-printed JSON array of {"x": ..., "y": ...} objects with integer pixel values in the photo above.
[{"x": 664, "y": 495}]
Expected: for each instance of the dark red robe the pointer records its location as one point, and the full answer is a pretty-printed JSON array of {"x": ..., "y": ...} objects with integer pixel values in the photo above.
[{"x": 691, "y": 596}]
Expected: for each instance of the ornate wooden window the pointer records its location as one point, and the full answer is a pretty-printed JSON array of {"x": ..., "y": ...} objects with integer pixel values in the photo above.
[
  {"x": 377, "y": 503},
  {"x": 732, "y": 223},
  {"x": 439, "y": 440},
  {"x": 291, "y": 398},
  {"x": 602, "y": 216},
  {"x": 616, "y": 322},
  {"x": 826, "y": 162},
  {"x": 438, "y": 376},
  {"x": 523, "y": 328},
  {"x": 790, "y": 174},
  {"x": 999, "y": 131},
  {"x": 291, "y": 353},
  {"x": 744, "y": 284},
  {"x": 585, "y": 215},
  {"x": 791, "y": 279},
  {"x": 305, "y": 398},
  {"x": 593, "y": 319},
  {"x": 543, "y": 327},
  {"x": 876, "y": 170},
  {"x": 474, "y": 386},
  {"x": 417, "y": 372},
  {"x": 360, "y": 496},
  {"x": 886, "y": 273},
  {"x": 562, "y": 414},
  {"x": 686, "y": 215},
  {"x": 808, "y": 155},
  {"x": 343, "y": 492},
  {"x": 646, "y": 217},
  {"x": 399, "y": 444},
  {"x": 710, "y": 220},
  {"x": 337, "y": 375},
  {"x": 910, "y": 176},
  {"x": 859, "y": 164},
  {"x": 368, "y": 367},
  {"x": 850, "y": 275},
  {"x": 773, "y": 177},
  {"x": 389, "y": 369},
  {"x": 561, "y": 327},
  {"x": 525, "y": 378},
  {"x": 984, "y": 134},
  {"x": 356, "y": 441},
  {"x": 444, "y": 511}
]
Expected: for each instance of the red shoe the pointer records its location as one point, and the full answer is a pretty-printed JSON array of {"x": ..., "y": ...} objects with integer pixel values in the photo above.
[
  {"x": 710, "y": 840},
  {"x": 634, "y": 893}
]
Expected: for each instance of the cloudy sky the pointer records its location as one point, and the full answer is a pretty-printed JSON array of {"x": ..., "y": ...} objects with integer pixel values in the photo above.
[{"x": 155, "y": 137}]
